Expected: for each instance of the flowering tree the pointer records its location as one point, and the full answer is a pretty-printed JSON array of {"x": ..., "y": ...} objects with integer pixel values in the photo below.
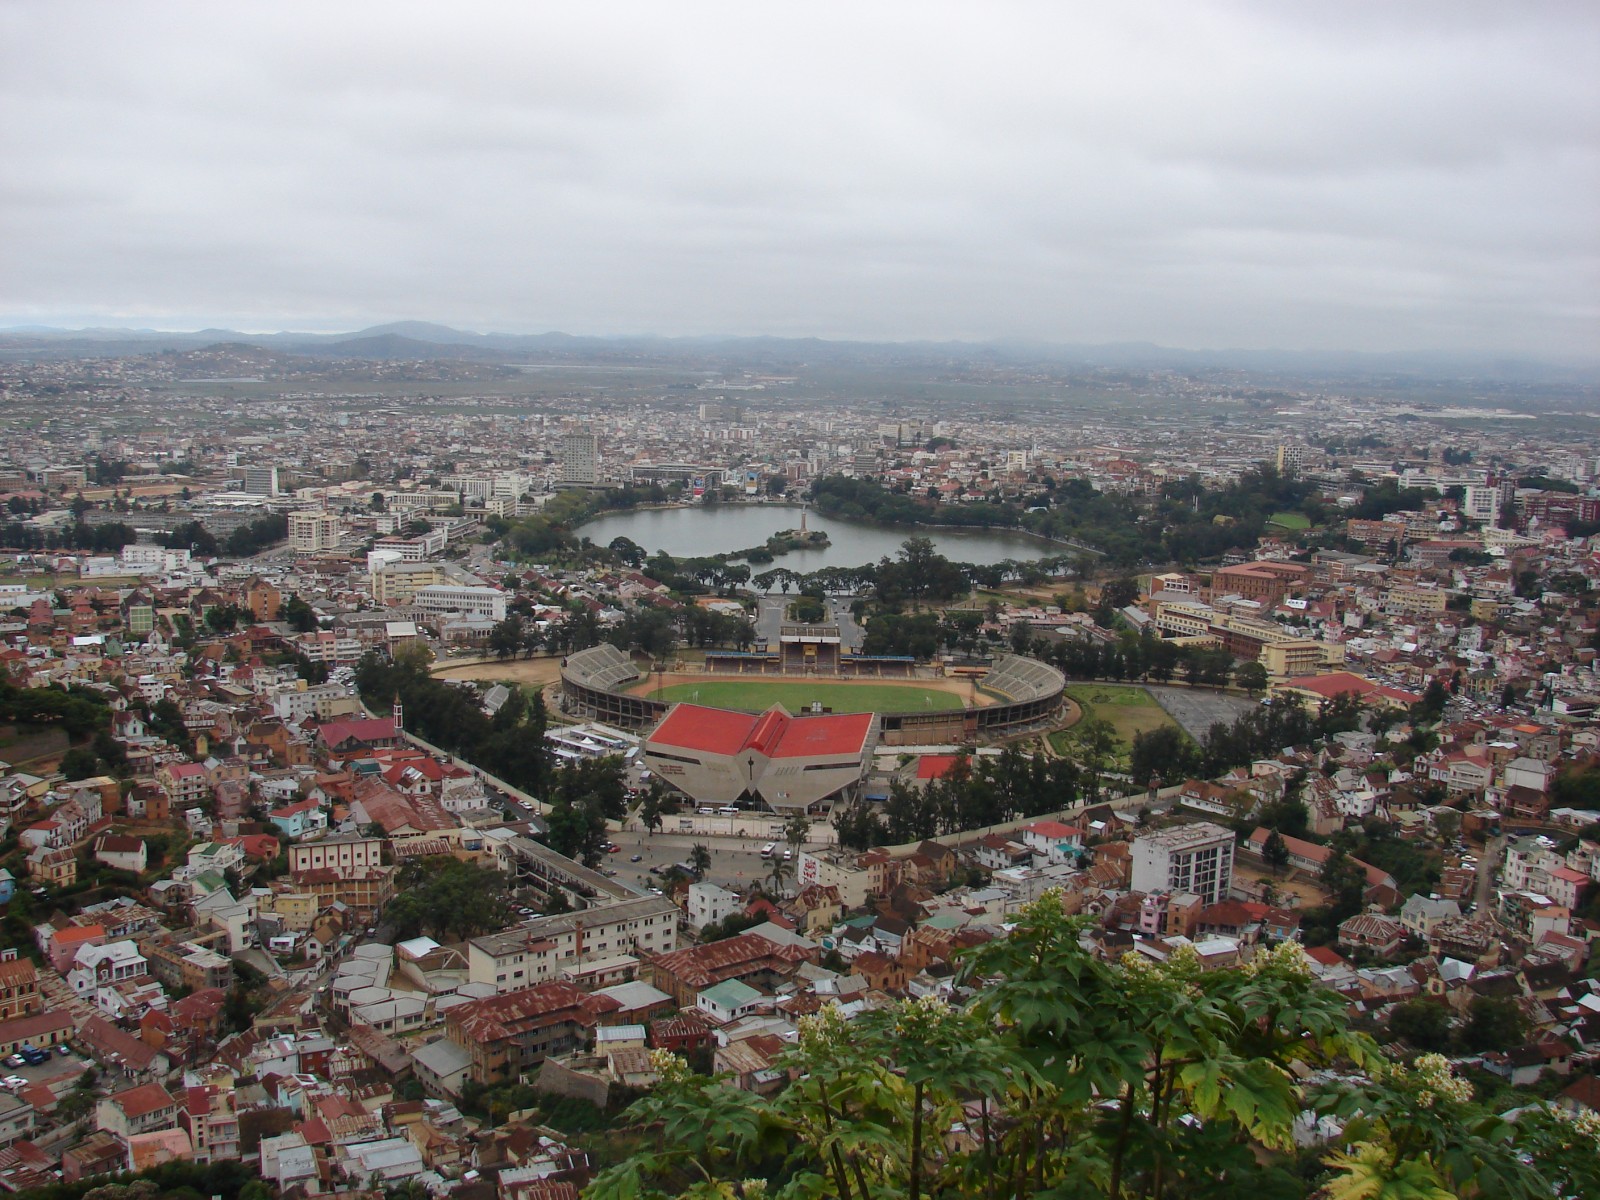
[{"x": 1070, "y": 1077}]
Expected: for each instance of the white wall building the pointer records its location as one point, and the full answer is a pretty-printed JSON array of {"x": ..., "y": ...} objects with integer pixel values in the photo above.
[{"x": 1186, "y": 858}]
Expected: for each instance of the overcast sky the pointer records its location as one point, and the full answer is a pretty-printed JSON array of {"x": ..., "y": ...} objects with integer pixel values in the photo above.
[{"x": 1342, "y": 175}]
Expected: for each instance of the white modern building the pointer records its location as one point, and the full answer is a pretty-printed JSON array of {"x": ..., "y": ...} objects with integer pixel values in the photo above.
[
  {"x": 1185, "y": 858},
  {"x": 441, "y": 598}
]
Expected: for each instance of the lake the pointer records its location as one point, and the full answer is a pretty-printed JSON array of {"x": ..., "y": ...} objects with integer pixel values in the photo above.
[{"x": 698, "y": 531}]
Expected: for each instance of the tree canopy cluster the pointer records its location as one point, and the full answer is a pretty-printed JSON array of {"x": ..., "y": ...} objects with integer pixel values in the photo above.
[
  {"x": 583, "y": 796},
  {"x": 1068, "y": 1076},
  {"x": 449, "y": 899},
  {"x": 510, "y": 744}
]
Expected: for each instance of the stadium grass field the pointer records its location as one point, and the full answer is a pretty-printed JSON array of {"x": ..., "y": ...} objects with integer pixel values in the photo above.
[{"x": 749, "y": 695}]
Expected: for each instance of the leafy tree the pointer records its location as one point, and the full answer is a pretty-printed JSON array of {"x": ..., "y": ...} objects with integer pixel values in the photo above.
[
  {"x": 1071, "y": 1075},
  {"x": 653, "y": 807},
  {"x": 446, "y": 897},
  {"x": 1494, "y": 1023},
  {"x": 796, "y": 830},
  {"x": 301, "y": 617},
  {"x": 80, "y": 762},
  {"x": 1422, "y": 1023},
  {"x": 1252, "y": 677},
  {"x": 1275, "y": 852}
]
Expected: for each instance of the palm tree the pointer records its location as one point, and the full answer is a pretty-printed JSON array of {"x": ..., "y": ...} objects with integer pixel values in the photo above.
[
  {"x": 781, "y": 867},
  {"x": 700, "y": 860}
]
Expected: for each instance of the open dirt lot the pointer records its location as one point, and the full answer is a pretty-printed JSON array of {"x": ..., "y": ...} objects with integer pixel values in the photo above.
[{"x": 529, "y": 672}]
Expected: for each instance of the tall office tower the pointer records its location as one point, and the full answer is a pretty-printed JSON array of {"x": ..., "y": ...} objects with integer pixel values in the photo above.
[
  {"x": 578, "y": 459},
  {"x": 261, "y": 481}
]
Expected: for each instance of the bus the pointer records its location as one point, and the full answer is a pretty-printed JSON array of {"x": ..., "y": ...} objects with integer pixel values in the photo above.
[{"x": 766, "y": 851}]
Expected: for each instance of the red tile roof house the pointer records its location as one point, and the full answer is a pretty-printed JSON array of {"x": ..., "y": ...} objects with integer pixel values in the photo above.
[
  {"x": 65, "y": 943},
  {"x": 142, "y": 1109}
]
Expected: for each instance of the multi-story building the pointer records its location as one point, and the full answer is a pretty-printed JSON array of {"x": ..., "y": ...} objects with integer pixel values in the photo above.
[
  {"x": 507, "y": 1036},
  {"x": 439, "y": 598},
  {"x": 142, "y": 1109},
  {"x": 579, "y": 460},
  {"x": 188, "y": 965},
  {"x": 312, "y": 531},
  {"x": 186, "y": 784},
  {"x": 538, "y": 950},
  {"x": 345, "y": 854},
  {"x": 96, "y": 966},
  {"x": 396, "y": 583},
  {"x": 1414, "y": 601},
  {"x": 19, "y": 986},
  {"x": 1185, "y": 858},
  {"x": 261, "y": 481}
]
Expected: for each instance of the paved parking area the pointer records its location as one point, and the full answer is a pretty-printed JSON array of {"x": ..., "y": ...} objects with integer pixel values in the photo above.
[{"x": 1198, "y": 710}]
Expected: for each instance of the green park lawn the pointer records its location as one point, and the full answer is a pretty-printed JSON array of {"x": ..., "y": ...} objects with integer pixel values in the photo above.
[
  {"x": 1131, "y": 710},
  {"x": 757, "y": 696},
  {"x": 1290, "y": 520}
]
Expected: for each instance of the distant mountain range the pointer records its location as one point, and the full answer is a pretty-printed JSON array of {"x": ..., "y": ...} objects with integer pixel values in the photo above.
[{"x": 423, "y": 340}]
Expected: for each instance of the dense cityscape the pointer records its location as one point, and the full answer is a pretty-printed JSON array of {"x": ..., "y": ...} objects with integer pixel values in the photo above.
[
  {"x": 912, "y": 601},
  {"x": 387, "y": 806}
]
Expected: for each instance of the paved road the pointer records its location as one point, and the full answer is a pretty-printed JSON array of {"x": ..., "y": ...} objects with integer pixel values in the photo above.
[
  {"x": 769, "y": 619},
  {"x": 1493, "y": 852},
  {"x": 851, "y": 635},
  {"x": 734, "y": 861}
]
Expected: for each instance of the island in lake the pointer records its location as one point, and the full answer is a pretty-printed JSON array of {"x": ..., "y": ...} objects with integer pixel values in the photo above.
[{"x": 784, "y": 542}]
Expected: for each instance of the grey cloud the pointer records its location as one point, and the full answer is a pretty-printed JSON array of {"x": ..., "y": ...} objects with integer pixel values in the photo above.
[{"x": 1367, "y": 176}]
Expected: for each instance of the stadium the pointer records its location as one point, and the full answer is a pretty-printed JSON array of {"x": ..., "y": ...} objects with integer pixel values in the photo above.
[
  {"x": 796, "y": 728},
  {"x": 1015, "y": 696}
]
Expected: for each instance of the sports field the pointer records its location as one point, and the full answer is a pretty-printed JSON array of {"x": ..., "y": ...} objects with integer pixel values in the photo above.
[
  {"x": 749, "y": 695},
  {"x": 1131, "y": 710}
]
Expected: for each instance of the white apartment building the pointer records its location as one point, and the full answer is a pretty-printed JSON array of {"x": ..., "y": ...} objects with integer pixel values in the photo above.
[
  {"x": 261, "y": 481},
  {"x": 1186, "y": 858},
  {"x": 709, "y": 904},
  {"x": 345, "y": 854},
  {"x": 533, "y": 953},
  {"x": 440, "y": 598},
  {"x": 152, "y": 560}
]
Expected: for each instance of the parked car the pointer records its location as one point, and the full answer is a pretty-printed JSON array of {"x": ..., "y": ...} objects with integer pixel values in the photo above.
[{"x": 14, "y": 1060}]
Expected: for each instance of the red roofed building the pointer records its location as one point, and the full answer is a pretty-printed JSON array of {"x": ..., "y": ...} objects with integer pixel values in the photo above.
[
  {"x": 19, "y": 986},
  {"x": 141, "y": 1109},
  {"x": 508, "y": 1035},
  {"x": 1316, "y": 688},
  {"x": 715, "y": 756},
  {"x": 65, "y": 943},
  {"x": 937, "y": 766},
  {"x": 749, "y": 958},
  {"x": 357, "y": 738}
]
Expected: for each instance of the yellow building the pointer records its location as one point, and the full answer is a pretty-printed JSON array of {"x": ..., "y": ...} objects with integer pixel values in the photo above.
[
  {"x": 1412, "y": 601},
  {"x": 396, "y": 583}
]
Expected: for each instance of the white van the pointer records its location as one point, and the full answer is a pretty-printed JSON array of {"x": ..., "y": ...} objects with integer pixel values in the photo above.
[
  {"x": 766, "y": 851},
  {"x": 728, "y": 810}
]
